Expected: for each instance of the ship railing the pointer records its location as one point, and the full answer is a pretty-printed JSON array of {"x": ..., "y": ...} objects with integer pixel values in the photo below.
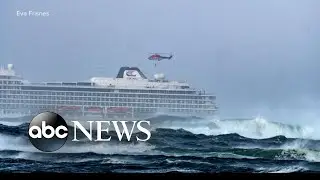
[
  {"x": 58, "y": 84},
  {"x": 43, "y": 84},
  {"x": 201, "y": 92},
  {"x": 182, "y": 81}
]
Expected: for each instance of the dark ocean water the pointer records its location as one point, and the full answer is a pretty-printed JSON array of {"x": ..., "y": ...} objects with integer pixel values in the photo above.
[{"x": 253, "y": 145}]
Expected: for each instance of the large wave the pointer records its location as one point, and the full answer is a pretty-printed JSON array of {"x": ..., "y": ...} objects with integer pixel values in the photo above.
[
  {"x": 188, "y": 138},
  {"x": 256, "y": 128}
]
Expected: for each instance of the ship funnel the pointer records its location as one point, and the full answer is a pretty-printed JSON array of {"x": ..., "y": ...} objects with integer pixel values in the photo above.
[{"x": 130, "y": 72}]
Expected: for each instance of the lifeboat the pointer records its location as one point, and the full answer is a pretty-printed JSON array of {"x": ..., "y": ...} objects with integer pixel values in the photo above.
[
  {"x": 94, "y": 109},
  {"x": 118, "y": 109},
  {"x": 69, "y": 108}
]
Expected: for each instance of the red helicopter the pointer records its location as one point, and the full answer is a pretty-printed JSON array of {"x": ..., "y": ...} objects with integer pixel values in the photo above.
[{"x": 158, "y": 57}]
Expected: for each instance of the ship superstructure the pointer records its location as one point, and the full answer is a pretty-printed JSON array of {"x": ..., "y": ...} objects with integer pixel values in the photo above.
[{"x": 129, "y": 95}]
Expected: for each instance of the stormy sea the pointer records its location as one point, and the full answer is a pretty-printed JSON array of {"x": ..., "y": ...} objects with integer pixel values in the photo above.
[{"x": 187, "y": 145}]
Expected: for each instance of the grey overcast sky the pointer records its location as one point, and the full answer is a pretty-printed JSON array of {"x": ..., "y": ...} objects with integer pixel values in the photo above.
[{"x": 256, "y": 56}]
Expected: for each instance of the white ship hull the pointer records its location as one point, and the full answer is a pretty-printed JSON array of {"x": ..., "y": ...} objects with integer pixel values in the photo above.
[{"x": 129, "y": 96}]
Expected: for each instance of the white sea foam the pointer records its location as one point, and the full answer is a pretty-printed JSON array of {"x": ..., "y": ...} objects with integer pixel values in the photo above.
[
  {"x": 10, "y": 123},
  {"x": 257, "y": 128},
  {"x": 288, "y": 169},
  {"x": 8, "y": 142}
]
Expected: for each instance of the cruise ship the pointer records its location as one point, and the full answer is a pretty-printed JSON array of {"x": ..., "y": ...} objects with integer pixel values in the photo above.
[{"x": 128, "y": 96}]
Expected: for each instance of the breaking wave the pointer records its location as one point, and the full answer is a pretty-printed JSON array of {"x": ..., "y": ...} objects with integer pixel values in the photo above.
[
  {"x": 256, "y": 128},
  {"x": 193, "y": 145}
]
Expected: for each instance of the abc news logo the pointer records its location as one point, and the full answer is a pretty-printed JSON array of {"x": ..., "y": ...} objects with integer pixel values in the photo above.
[{"x": 48, "y": 131}]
